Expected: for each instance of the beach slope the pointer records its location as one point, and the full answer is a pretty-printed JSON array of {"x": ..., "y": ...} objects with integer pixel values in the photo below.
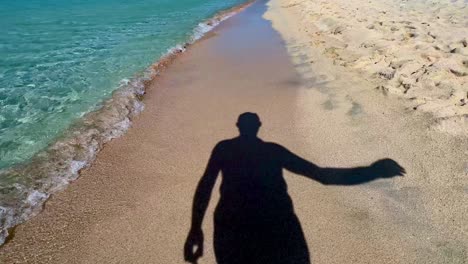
[{"x": 133, "y": 205}]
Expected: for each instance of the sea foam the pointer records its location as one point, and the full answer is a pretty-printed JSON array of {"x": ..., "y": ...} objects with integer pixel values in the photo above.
[{"x": 25, "y": 187}]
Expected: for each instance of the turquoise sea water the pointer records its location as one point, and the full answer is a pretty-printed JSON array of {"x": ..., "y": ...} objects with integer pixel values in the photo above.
[{"x": 60, "y": 60}]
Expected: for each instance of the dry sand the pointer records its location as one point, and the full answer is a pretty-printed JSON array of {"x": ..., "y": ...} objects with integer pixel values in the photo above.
[
  {"x": 414, "y": 49},
  {"x": 133, "y": 204}
]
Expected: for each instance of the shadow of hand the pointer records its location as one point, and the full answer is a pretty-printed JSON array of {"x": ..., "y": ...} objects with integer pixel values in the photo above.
[
  {"x": 193, "y": 248},
  {"x": 387, "y": 168}
]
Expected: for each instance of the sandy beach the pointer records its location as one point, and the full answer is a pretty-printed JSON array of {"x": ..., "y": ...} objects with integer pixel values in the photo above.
[
  {"x": 414, "y": 50},
  {"x": 133, "y": 205}
]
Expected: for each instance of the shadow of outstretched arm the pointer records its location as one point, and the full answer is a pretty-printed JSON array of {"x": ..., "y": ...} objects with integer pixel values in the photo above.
[
  {"x": 277, "y": 157},
  {"x": 193, "y": 248},
  {"x": 384, "y": 168}
]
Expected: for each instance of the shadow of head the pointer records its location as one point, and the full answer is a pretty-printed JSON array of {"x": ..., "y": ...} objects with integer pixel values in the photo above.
[
  {"x": 248, "y": 124},
  {"x": 254, "y": 220}
]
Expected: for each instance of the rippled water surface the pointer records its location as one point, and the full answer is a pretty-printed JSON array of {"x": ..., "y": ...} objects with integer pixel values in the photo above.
[{"x": 59, "y": 59}]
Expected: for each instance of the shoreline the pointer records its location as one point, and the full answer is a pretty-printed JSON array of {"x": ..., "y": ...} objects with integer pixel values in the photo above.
[
  {"x": 90, "y": 201},
  {"x": 133, "y": 203},
  {"x": 76, "y": 148}
]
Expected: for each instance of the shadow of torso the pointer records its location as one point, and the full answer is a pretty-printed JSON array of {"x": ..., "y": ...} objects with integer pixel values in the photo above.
[{"x": 254, "y": 219}]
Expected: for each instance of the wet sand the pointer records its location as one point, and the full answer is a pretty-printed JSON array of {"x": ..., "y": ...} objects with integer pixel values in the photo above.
[{"x": 133, "y": 204}]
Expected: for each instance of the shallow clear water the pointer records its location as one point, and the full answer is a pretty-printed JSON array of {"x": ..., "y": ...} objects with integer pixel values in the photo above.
[{"x": 60, "y": 59}]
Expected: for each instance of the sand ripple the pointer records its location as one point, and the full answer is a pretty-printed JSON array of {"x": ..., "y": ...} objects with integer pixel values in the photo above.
[{"x": 416, "y": 50}]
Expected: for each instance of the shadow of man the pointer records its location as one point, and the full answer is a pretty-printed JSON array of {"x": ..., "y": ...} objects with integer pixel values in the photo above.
[{"x": 254, "y": 219}]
